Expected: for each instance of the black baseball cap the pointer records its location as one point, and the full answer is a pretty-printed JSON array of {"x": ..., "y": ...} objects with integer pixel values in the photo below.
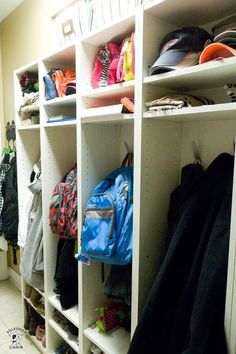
[{"x": 180, "y": 48}]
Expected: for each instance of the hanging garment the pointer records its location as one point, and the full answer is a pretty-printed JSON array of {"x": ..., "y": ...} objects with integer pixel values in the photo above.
[
  {"x": 24, "y": 219},
  {"x": 118, "y": 283},
  {"x": 184, "y": 313},
  {"x": 31, "y": 266},
  {"x": 30, "y": 205},
  {"x": 4, "y": 167},
  {"x": 66, "y": 274},
  {"x": 10, "y": 207}
]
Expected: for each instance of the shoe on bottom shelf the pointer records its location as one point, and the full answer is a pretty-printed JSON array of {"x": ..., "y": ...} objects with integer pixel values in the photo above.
[
  {"x": 27, "y": 316},
  {"x": 40, "y": 332},
  {"x": 41, "y": 307},
  {"x": 72, "y": 329},
  {"x": 33, "y": 326},
  {"x": 35, "y": 298},
  {"x": 28, "y": 290},
  {"x": 68, "y": 326},
  {"x": 62, "y": 348},
  {"x": 56, "y": 316},
  {"x": 35, "y": 320},
  {"x": 95, "y": 350}
]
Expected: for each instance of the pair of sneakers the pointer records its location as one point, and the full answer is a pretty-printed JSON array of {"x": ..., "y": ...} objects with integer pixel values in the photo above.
[
  {"x": 31, "y": 319},
  {"x": 36, "y": 298},
  {"x": 64, "y": 348},
  {"x": 65, "y": 323},
  {"x": 40, "y": 332},
  {"x": 95, "y": 350}
]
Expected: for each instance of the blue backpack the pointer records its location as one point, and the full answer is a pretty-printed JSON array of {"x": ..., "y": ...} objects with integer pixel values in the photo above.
[{"x": 108, "y": 219}]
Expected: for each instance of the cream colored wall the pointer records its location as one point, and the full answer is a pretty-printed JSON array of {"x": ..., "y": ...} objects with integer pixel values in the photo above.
[
  {"x": 26, "y": 34},
  {"x": 2, "y": 123}
]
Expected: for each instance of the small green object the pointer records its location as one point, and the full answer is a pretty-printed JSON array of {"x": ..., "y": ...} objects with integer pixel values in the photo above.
[
  {"x": 100, "y": 323},
  {"x": 35, "y": 118},
  {"x": 121, "y": 315},
  {"x": 36, "y": 86}
]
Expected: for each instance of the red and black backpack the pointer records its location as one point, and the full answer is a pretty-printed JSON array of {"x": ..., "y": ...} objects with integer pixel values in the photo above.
[{"x": 63, "y": 207}]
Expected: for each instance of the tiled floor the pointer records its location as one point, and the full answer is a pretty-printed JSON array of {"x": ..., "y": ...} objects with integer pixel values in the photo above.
[{"x": 11, "y": 316}]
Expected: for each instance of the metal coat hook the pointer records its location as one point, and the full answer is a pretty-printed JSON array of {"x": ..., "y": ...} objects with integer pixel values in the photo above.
[
  {"x": 127, "y": 147},
  {"x": 197, "y": 158}
]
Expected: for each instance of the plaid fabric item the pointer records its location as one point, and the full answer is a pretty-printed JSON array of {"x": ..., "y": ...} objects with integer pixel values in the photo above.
[
  {"x": 108, "y": 318},
  {"x": 3, "y": 170}
]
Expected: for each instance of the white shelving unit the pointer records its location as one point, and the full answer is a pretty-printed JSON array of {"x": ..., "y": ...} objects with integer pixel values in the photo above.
[
  {"x": 116, "y": 342},
  {"x": 162, "y": 145},
  {"x": 69, "y": 338},
  {"x": 71, "y": 314}
]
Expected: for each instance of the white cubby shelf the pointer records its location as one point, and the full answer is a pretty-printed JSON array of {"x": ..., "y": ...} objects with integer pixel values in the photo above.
[
  {"x": 116, "y": 342},
  {"x": 71, "y": 314},
  {"x": 96, "y": 140}
]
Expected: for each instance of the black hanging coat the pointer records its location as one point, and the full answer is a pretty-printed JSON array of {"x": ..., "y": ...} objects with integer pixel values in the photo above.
[
  {"x": 10, "y": 205},
  {"x": 184, "y": 313}
]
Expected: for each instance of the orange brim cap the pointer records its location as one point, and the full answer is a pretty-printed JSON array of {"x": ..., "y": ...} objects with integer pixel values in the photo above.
[{"x": 216, "y": 51}]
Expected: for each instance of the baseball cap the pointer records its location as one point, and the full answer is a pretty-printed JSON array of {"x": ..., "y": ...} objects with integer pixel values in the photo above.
[
  {"x": 216, "y": 51},
  {"x": 180, "y": 48},
  {"x": 225, "y": 31}
]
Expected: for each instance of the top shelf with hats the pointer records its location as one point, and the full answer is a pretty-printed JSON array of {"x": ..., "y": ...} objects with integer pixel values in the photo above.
[
  {"x": 188, "y": 47},
  {"x": 194, "y": 57}
]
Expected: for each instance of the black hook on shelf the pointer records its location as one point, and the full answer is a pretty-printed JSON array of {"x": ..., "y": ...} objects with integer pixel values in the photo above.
[
  {"x": 127, "y": 147},
  {"x": 197, "y": 158}
]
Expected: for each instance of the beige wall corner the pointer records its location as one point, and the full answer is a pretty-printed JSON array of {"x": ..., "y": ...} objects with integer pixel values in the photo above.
[{"x": 2, "y": 123}]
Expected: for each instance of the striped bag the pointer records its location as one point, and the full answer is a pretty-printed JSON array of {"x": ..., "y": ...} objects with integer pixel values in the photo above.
[{"x": 105, "y": 66}]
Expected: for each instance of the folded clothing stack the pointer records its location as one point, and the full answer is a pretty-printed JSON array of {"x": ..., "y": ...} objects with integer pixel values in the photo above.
[
  {"x": 59, "y": 83},
  {"x": 177, "y": 101}
]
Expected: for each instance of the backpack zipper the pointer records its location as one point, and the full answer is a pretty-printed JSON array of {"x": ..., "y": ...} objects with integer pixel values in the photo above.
[
  {"x": 125, "y": 188},
  {"x": 97, "y": 209}
]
